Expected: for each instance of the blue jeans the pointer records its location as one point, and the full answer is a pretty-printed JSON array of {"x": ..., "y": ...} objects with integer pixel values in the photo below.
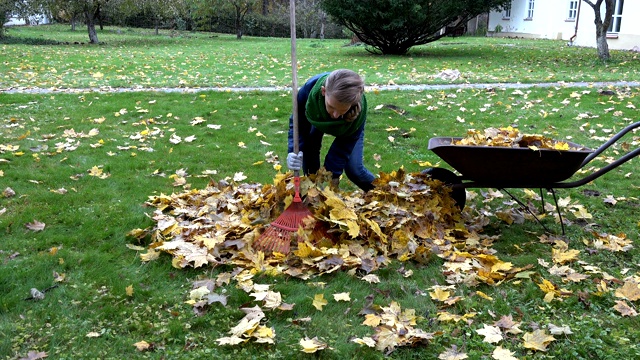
[{"x": 354, "y": 168}]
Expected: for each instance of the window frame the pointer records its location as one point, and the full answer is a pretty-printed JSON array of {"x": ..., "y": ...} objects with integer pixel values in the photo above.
[
  {"x": 616, "y": 18},
  {"x": 506, "y": 13},
  {"x": 530, "y": 9},
  {"x": 573, "y": 10}
]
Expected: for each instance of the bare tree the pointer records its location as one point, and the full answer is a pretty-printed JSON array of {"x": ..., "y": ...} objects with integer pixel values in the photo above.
[{"x": 602, "y": 25}]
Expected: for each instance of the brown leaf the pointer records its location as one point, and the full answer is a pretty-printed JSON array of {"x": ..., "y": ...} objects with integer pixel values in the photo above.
[
  {"x": 35, "y": 225},
  {"x": 452, "y": 354},
  {"x": 34, "y": 355},
  {"x": 624, "y": 309}
]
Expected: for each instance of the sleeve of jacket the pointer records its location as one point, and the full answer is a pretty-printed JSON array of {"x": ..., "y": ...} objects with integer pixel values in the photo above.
[{"x": 304, "y": 126}]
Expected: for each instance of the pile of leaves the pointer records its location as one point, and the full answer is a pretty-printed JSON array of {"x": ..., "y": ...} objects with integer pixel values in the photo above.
[
  {"x": 511, "y": 137},
  {"x": 408, "y": 216}
]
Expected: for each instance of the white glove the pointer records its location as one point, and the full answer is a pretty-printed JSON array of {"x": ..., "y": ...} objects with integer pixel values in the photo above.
[{"x": 294, "y": 162}]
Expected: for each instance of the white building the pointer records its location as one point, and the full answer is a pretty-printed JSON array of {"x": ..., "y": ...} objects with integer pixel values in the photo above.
[
  {"x": 570, "y": 20},
  {"x": 33, "y": 20}
]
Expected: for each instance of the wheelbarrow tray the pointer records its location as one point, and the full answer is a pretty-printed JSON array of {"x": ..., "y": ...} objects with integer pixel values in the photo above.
[{"x": 495, "y": 166}]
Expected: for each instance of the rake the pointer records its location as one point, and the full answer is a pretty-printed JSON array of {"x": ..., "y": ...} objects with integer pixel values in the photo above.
[{"x": 279, "y": 235}]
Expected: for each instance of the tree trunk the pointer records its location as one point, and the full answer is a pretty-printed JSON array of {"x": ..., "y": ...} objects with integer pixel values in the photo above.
[
  {"x": 601, "y": 44},
  {"x": 239, "y": 19},
  {"x": 323, "y": 20},
  {"x": 91, "y": 27},
  {"x": 602, "y": 25}
]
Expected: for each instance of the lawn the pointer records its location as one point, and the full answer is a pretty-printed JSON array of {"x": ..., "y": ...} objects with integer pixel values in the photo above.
[{"x": 85, "y": 176}]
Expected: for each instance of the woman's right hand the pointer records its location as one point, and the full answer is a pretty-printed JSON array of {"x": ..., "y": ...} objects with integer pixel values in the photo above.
[{"x": 294, "y": 161}]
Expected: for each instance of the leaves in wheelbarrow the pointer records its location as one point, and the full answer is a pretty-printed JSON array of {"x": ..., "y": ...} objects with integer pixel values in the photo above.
[{"x": 511, "y": 137}]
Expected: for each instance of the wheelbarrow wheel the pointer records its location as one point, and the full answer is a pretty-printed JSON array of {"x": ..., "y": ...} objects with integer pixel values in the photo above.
[{"x": 449, "y": 178}]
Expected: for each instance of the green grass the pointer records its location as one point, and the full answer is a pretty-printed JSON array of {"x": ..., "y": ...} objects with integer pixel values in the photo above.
[
  {"x": 54, "y": 56},
  {"x": 85, "y": 234}
]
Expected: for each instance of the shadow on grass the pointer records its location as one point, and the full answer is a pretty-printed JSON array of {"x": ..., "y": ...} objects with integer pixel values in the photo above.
[{"x": 10, "y": 40}]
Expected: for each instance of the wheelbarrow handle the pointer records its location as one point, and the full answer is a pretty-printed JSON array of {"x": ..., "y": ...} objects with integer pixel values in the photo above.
[
  {"x": 628, "y": 156},
  {"x": 610, "y": 142}
]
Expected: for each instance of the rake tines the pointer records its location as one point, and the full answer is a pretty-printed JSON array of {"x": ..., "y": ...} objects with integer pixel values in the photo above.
[{"x": 279, "y": 235}]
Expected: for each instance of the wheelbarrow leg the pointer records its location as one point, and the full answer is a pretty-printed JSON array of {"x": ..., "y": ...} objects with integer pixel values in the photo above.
[
  {"x": 526, "y": 208},
  {"x": 553, "y": 192}
]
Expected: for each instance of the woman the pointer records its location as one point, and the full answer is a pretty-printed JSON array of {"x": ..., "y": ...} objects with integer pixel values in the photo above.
[{"x": 332, "y": 103}]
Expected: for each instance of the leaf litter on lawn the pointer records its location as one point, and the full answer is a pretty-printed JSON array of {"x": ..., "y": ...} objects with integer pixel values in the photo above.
[{"x": 408, "y": 216}]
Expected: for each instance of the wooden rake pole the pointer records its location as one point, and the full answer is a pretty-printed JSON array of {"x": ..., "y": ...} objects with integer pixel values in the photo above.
[{"x": 279, "y": 235}]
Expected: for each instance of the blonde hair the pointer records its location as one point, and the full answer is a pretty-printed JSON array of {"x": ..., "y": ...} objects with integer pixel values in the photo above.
[{"x": 346, "y": 87}]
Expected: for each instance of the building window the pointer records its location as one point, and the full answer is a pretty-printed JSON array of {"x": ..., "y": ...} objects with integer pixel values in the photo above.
[
  {"x": 573, "y": 10},
  {"x": 530, "y": 4},
  {"x": 506, "y": 14},
  {"x": 616, "y": 19}
]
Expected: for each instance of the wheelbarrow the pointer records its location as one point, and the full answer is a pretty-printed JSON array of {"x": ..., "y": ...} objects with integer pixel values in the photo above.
[{"x": 519, "y": 167}]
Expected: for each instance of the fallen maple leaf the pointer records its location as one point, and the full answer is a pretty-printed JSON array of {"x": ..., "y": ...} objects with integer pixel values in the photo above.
[
  {"x": 561, "y": 257},
  {"x": 624, "y": 309},
  {"x": 629, "y": 291},
  {"x": 142, "y": 345},
  {"x": 559, "y": 330},
  {"x": 537, "y": 340},
  {"x": 310, "y": 346},
  {"x": 440, "y": 294},
  {"x": 341, "y": 297},
  {"x": 500, "y": 353},
  {"x": 492, "y": 334},
  {"x": 34, "y": 355},
  {"x": 452, "y": 354},
  {"x": 365, "y": 341},
  {"x": 230, "y": 340},
  {"x": 371, "y": 279},
  {"x": 319, "y": 301}
]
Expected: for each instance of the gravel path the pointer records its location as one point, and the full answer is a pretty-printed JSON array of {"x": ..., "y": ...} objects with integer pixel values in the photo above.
[{"x": 25, "y": 90}]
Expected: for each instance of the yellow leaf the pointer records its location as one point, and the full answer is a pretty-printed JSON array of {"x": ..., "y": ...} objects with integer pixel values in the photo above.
[
  {"x": 231, "y": 340},
  {"x": 150, "y": 255},
  {"x": 484, "y": 296},
  {"x": 629, "y": 291},
  {"x": 129, "y": 290},
  {"x": 440, "y": 294},
  {"x": 537, "y": 340},
  {"x": 547, "y": 286},
  {"x": 365, "y": 341},
  {"x": 580, "y": 212},
  {"x": 142, "y": 345},
  {"x": 561, "y": 257},
  {"x": 319, "y": 301},
  {"x": 264, "y": 335},
  {"x": 341, "y": 297},
  {"x": 372, "y": 320},
  {"x": 310, "y": 346}
]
